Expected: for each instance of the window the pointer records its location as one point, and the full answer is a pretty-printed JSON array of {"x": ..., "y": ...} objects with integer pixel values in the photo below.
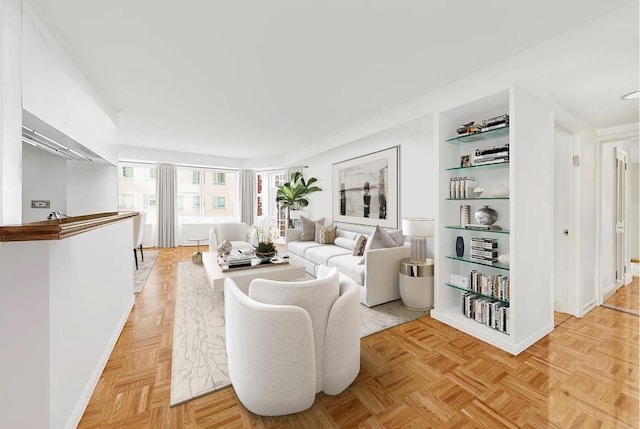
[
  {"x": 219, "y": 178},
  {"x": 206, "y": 192},
  {"x": 125, "y": 201},
  {"x": 151, "y": 174},
  {"x": 127, "y": 171},
  {"x": 149, "y": 201}
]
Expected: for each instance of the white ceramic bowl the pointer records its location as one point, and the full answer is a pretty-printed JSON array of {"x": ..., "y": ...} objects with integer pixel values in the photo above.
[
  {"x": 504, "y": 258},
  {"x": 500, "y": 192}
]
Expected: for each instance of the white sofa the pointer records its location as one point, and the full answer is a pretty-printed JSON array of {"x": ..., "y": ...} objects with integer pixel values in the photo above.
[
  {"x": 235, "y": 232},
  {"x": 377, "y": 277}
]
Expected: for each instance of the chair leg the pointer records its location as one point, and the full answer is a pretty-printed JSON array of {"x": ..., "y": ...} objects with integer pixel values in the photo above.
[
  {"x": 135, "y": 255},
  {"x": 141, "y": 253}
]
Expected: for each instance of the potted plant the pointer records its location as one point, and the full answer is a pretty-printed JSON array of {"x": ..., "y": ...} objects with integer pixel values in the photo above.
[
  {"x": 294, "y": 194},
  {"x": 265, "y": 236}
]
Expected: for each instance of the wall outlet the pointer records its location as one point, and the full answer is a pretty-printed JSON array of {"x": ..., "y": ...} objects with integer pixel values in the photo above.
[{"x": 40, "y": 204}]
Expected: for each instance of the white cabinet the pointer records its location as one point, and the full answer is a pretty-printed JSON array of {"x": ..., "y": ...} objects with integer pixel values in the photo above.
[{"x": 511, "y": 320}]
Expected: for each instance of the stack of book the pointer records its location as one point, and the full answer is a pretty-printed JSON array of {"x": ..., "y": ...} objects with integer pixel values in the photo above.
[
  {"x": 491, "y": 154},
  {"x": 239, "y": 260},
  {"x": 500, "y": 121},
  {"x": 487, "y": 311},
  {"x": 496, "y": 286},
  {"x": 484, "y": 249}
]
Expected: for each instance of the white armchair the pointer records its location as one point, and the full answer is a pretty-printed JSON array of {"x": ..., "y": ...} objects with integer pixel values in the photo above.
[
  {"x": 287, "y": 341},
  {"x": 235, "y": 232}
]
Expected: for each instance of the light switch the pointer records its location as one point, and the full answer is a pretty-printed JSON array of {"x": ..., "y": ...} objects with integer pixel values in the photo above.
[{"x": 40, "y": 204}]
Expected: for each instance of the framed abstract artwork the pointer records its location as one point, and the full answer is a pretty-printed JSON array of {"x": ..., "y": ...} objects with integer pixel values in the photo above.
[{"x": 365, "y": 189}]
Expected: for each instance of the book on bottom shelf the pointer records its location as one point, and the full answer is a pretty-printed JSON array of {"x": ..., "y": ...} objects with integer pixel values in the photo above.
[{"x": 488, "y": 311}]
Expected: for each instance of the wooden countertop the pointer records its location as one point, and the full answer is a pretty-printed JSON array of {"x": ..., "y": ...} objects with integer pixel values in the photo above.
[{"x": 57, "y": 229}]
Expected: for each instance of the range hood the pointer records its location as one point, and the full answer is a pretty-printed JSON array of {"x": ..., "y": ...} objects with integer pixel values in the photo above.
[{"x": 39, "y": 134}]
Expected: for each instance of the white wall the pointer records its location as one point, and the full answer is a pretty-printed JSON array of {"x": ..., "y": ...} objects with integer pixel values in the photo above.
[
  {"x": 10, "y": 112},
  {"x": 44, "y": 178},
  {"x": 55, "y": 91},
  {"x": 131, "y": 153},
  {"x": 91, "y": 188},
  {"x": 60, "y": 316},
  {"x": 417, "y": 170}
]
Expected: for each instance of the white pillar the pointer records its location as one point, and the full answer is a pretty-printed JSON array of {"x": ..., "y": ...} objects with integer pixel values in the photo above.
[{"x": 10, "y": 112}]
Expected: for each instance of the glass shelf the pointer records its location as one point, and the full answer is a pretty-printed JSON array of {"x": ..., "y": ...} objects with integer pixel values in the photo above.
[
  {"x": 480, "y": 166},
  {"x": 493, "y": 231},
  {"x": 464, "y": 289},
  {"x": 486, "y": 135},
  {"x": 487, "y": 264},
  {"x": 479, "y": 198}
]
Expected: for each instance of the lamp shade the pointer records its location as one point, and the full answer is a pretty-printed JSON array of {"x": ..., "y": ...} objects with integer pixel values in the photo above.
[{"x": 417, "y": 227}]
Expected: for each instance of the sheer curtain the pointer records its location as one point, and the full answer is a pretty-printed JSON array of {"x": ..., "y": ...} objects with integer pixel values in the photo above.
[
  {"x": 167, "y": 197},
  {"x": 293, "y": 169},
  {"x": 248, "y": 196}
]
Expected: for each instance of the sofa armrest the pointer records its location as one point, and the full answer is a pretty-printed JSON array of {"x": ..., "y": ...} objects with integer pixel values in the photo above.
[
  {"x": 381, "y": 281},
  {"x": 292, "y": 234}
]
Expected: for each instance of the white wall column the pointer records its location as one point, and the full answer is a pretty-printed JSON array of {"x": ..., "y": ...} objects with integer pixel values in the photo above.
[{"x": 10, "y": 112}]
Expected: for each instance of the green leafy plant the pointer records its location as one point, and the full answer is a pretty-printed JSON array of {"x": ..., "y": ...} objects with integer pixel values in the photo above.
[
  {"x": 265, "y": 247},
  {"x": 295, "y": 193}
]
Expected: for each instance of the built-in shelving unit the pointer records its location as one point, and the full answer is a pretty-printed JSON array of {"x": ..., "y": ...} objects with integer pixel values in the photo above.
[{"x": 525, "y": 310}]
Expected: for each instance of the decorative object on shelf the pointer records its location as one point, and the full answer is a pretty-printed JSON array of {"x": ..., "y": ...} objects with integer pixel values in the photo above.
[
  {"x": 465, "y": 215},
  {"x": 224, "y": 248},
  {"x": 295, "y": 194},
  {"x": 460, "y": 187},
  {"x": 418, "y": 229},
  {"x": 465, "y": 161},
  {"x": 459, "y": 246},
  {"x": 365, "y": 189},
  {"x": 504, "y": 259},
  {"x": 477, "y": 191},
  {"x": 500, "y": 192},
  {"x": 469, "y": 128},
  {"x": 486, "y": 216}
]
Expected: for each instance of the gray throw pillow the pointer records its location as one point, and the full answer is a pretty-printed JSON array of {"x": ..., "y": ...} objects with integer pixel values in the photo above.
[
  {"x": 358, "y": 248},
  {"x": 309, "y": 228},
  {"x": 397, "y": 236},
  {"x": 379, "y": 239}
]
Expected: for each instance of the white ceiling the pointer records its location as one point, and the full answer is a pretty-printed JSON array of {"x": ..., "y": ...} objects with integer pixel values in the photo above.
[{"x": 247, "y": 79}]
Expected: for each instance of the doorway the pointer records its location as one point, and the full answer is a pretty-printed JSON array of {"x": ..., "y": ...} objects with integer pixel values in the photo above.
[{"x": 619, "y": 224}]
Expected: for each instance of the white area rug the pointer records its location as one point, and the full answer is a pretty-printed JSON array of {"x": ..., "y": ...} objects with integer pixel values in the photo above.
[
  {"x": 199, "y": 363},
  {"x": 141, "y": 275}
]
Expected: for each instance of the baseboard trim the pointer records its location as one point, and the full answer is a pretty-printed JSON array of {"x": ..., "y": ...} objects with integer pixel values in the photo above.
[
  {"x": 588, "y": 307},
  {"x": 83, "y": 401}
]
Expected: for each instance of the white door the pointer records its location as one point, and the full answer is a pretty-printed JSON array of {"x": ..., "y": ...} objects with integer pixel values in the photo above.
[
  {"x": 621, "y": 216},
  {"x": 563, "y": 209}
]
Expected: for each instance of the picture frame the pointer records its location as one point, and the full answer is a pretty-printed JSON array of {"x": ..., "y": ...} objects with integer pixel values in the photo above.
[
  {"x": 366, "y": 189},
  {"x": 465, "y": 161}
]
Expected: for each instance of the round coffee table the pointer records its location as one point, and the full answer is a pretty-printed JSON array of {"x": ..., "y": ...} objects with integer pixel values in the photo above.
[{"x": 196, "y": 258}]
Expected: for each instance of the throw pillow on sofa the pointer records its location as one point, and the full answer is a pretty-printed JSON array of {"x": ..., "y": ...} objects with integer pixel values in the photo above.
[
  {"x": 309, "y": 228},
  {"x": 379, "y": 239},
  {"x": 325, "y": 235},
  {"x": 358, "y": 248}
]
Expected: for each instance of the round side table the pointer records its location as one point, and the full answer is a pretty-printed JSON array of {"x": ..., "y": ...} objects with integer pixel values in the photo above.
[
  {"x": 416, "y": 284},
  {"x": 196, "y": 258}
]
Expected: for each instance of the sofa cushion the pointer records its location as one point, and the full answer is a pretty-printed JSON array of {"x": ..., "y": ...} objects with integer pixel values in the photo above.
[
  {"x": 379, "y": 239},
  {"x": 325, "y": 234},
  {"x": 345, "y": 243},
  {"x": 348, "y": 265},
  {"x": 309, "y": 228},
  {"x": 349, "y": 235},
  {"x": 322, "y": 254},
  {"x": 359, "y": 245},
  {"x": 299, "y": 247}
]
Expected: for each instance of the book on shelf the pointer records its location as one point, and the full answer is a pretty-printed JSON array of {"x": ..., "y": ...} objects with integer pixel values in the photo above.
[
  {"x": 492, "y": 149},
  {"x": 479, "y": 226}
]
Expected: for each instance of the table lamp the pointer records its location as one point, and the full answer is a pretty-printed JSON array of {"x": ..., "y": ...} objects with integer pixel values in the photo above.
[{"x": 418, "y": 229}]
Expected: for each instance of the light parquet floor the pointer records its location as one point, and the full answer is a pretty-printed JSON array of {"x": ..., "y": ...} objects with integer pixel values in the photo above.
[
  {"x": 421, "y": 374},
  {"x": 626, "y": 297}
]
